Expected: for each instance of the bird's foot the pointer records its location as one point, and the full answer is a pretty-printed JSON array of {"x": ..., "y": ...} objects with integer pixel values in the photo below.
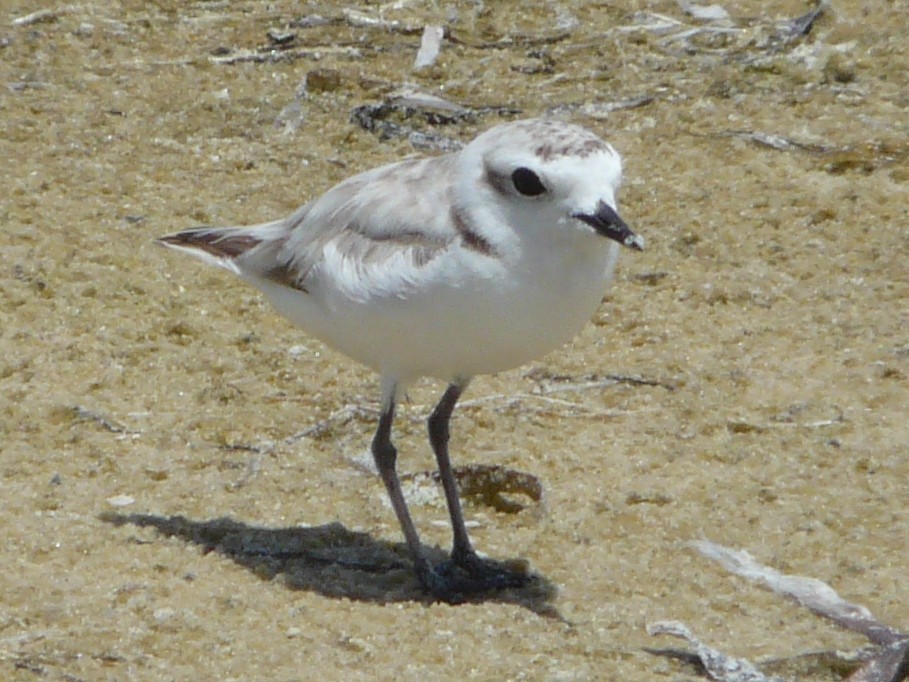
[{"x": 466, "y": 575}]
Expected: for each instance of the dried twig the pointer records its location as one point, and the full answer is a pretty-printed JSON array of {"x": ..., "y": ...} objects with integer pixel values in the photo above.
[
  {"x": 272, "y": 56},
  {"x": 540, "y": 401},
  {"x": 813, "y": 594},
  {"x": 40, "y": 16},
  {"x": 599, "y": 110},
  {"x": 84, "y": 414},
  {"x": 718, "y": 665},
  {"x": 778, "y": 142},
  {"x": 359, "y": 19},
  {"x": 337, "y": 418},
  {"x": 556, "y": 383},
  {"x": 887, "y": 662}
]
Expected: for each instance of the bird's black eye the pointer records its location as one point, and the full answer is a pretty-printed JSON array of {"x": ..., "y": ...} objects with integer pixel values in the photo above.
[{"x": 527, "y": 182}]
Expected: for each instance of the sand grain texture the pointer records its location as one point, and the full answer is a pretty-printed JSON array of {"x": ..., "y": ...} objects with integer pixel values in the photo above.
[{"x": 157, "y": 525}]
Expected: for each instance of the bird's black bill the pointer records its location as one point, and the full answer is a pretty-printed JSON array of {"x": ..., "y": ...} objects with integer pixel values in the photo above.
[{"x": 609, "y": 224}]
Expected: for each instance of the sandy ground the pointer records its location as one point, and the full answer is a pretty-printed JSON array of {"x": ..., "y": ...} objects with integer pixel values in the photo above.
[{"x": 159, "y": 523}]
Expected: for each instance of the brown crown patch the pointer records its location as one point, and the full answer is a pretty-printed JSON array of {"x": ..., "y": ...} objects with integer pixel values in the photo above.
[{"x": 570, "y": 145}]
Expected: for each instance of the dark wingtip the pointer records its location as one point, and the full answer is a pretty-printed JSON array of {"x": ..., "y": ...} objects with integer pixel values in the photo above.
[
  {"x": 169, "y": 240},
  {"x": 211, "y": 240}
]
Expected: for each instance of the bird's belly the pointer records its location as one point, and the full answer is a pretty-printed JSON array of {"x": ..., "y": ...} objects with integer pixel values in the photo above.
[{"x": 449, "y": 329}]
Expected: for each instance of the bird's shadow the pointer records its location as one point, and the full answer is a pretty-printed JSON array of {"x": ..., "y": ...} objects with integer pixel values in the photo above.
[{"x": 330, "y": 560}]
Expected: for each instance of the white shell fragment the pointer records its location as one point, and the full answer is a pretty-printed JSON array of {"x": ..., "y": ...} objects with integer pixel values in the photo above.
[{"x": 430, "y": 46}]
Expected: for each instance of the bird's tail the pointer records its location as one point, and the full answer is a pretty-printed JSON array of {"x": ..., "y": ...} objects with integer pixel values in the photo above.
[{"x": 222, "y": 246}]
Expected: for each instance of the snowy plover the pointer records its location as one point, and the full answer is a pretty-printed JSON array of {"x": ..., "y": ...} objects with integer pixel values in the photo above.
[{"x": 469, "y": 263}]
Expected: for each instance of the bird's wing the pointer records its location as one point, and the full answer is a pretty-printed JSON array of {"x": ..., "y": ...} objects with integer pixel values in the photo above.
[
  {"x": 371, "y": 235},
  {"x": 401, "y": 212}
]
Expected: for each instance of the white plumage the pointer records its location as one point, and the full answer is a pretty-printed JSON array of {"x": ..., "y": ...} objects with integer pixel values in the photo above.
[{"x": 453, "y": 266}]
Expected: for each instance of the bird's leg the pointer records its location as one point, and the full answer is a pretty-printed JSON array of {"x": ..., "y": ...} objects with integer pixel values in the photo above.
[
  {"x": 447, "y": 581},
  {"x": 462, "y": 551},
  {"x": 385, "y": 456},
  {"x": 484, "y": 575}
]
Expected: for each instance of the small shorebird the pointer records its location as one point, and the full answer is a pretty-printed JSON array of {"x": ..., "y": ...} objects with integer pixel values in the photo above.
[{"x": 469, "y": 263}]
